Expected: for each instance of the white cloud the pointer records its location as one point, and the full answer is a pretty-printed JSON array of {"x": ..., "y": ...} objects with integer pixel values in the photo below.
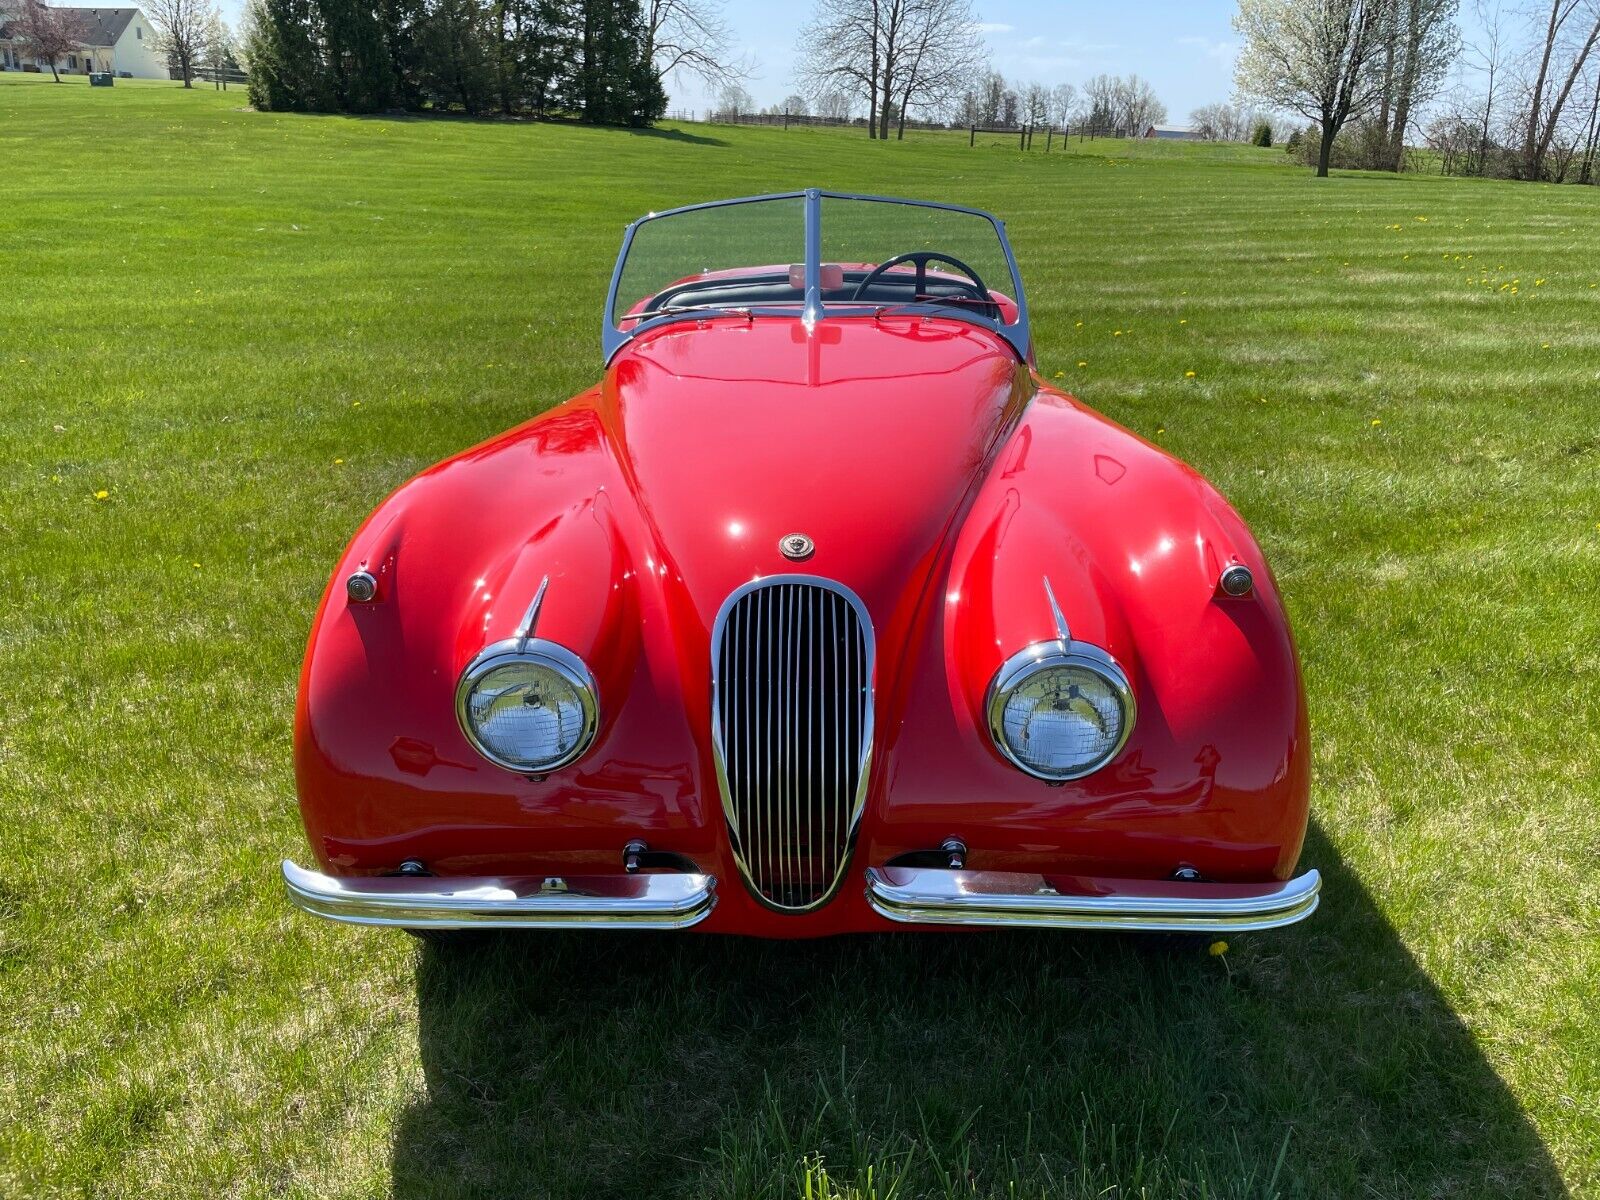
[
  {"x": 1222, "y": 51},
  {"x": 994, "y": 27}
]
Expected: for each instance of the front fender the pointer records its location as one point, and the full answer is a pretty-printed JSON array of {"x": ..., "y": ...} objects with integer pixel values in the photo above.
[{"x": 1216, "y": 772}]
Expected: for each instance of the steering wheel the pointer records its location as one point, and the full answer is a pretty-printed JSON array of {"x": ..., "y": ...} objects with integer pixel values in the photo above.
[{"x": 921, "y": 259}]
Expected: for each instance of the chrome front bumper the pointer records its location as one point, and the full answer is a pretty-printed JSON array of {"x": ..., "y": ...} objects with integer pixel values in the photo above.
[
  {"x": 928, "y": 896},
  {"x": 418, "y": 902}
]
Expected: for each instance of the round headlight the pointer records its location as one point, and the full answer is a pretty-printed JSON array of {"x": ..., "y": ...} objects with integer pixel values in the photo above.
[
  {"x": 1060, "y": 711},
  {"x": 527, "y": 707}
]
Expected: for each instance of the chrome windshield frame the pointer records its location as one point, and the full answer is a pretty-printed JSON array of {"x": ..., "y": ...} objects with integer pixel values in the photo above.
[{"x": 813, "y": 308}]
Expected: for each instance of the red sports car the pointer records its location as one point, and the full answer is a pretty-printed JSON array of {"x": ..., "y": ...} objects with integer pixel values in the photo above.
[{"x": 821, "y": 613}]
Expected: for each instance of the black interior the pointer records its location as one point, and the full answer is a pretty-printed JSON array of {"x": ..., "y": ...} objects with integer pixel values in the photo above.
[{"x": 895, "y": 287}]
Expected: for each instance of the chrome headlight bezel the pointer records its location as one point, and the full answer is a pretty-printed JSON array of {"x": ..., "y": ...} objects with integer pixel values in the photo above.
[
  {"x": 545, "y": 654},
  {"x": 1043, "y": 656}
]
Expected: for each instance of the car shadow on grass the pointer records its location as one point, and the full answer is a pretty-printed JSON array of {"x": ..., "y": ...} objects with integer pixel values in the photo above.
[{"x": 1318, "y": 1060}]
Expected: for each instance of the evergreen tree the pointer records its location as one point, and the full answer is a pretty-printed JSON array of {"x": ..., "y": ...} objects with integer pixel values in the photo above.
[
  {"x": 285, "y": 65},
  {"x": 457, "y": 68},
  {"x": 356, "y": 56},
  {"x": 584, "y": 58},
  {"x": 616, "y": 83}
]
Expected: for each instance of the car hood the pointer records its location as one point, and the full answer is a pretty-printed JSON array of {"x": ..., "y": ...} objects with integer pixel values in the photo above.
[{"x": 865, "y": 435}]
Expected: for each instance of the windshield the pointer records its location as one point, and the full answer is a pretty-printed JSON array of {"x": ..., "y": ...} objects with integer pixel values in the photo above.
[{"x": 868, "y": 255}]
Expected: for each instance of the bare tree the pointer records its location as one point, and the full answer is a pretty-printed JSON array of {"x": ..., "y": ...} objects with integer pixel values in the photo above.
[
  {"x": 895, "y": 54},
  {"x": 840, "y": 51},
  {"x": 1488, "y": 57},
  {"x": 691, "y": 36},
  {"x": 1311, "y": 56},
  {"x": 795, "y": 105},
  {"x": 1224, "y": 122},
  {"x": 835, "y": 105},
  {"x": 942, "y": 49},
  {"x": 49, "y": 33},
  {"x": 1563, "y": 51},
  {"x": 734, "y": 101},
  {"x": 1136, "y": 103},
  {"x": 1099, "y": 96},
  {"x": 1420, "y": 45},
  {"x": 1591, "y": 136},
  {"x": 1063, "y": 104},
  {"x": 1035, "y": 103},
  {"x": 182, "y": 27}
]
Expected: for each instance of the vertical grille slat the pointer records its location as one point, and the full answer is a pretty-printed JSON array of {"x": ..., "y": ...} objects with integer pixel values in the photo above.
[{"x": 792, "y": 724}]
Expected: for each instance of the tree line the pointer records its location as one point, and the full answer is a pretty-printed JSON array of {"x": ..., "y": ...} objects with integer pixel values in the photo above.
[
  {"x": 603, "y": 61},
  {"x": 1520, "y": 101},
  {"x": 925, "y": 60}
]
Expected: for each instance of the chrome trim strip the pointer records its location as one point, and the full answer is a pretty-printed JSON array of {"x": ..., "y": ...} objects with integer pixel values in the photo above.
[
  {"x": 530, "y": 618},
  {"x": 868, "y": 686},
  {"x": 666, "y": 901},
  {"x": 1062, "y": 631},
  {"x": 933, "y": 896}
]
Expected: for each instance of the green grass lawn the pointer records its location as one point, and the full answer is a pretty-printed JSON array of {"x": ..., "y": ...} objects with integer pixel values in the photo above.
[{"x": 225, "y": 335}]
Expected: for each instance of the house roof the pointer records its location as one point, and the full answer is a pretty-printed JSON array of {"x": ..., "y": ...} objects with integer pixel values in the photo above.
[{"x": 101, "y": 26}]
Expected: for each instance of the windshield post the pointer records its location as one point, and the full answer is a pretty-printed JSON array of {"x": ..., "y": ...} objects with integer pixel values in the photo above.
[{"x": 812, "y": 312}]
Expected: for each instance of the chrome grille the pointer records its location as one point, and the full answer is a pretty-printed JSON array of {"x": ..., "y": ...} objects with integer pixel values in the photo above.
[{"x": 792, "y": 724}]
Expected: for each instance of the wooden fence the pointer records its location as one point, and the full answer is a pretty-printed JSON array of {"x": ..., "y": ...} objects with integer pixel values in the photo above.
[{"x": 1024, "y": 134}]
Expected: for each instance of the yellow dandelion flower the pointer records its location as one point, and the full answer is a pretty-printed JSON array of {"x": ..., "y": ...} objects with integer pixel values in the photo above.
[
  {"x": 1376, "y": 422},
  {"x": 1183, "y": 321},
  {"x": 1217, "y": 949},
  {"x": 196, "y": 566},
  {"x": 1188, "y": 374},
  {"x": 1116, "y": 333},
  {"x": 338, "y": 462},
  {"x": 1160, "y": 430},
  {"x": 102, "y": 494},
  {"x": 1077, "y": 325},
  {"x": 1059, "y": 374},
  {"x": 1082, "y": 363},
  {"x": 1546, "y": 346},
  {"x": 1538, "y": 283},
  {"x": 355, "y": 404}
]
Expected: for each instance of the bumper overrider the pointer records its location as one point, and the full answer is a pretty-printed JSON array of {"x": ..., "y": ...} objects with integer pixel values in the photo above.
[{"x": 915, "y": 896}]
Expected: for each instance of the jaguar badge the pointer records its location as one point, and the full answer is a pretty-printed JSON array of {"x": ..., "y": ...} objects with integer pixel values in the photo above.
[{"x": 796, "y": 546}]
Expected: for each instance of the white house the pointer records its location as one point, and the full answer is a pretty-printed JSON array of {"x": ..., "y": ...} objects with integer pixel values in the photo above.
[{"x": 120, "y": 40}]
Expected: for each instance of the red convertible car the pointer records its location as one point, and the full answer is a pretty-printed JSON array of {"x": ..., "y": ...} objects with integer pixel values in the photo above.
[{"x": 821, "y": 613}]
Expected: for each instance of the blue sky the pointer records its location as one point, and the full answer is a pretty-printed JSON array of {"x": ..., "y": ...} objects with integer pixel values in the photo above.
[{"x": 1185, "y": 50}]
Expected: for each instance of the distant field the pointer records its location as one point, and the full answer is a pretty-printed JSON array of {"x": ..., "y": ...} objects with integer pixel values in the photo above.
[{"x": 225, "y": 335}]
